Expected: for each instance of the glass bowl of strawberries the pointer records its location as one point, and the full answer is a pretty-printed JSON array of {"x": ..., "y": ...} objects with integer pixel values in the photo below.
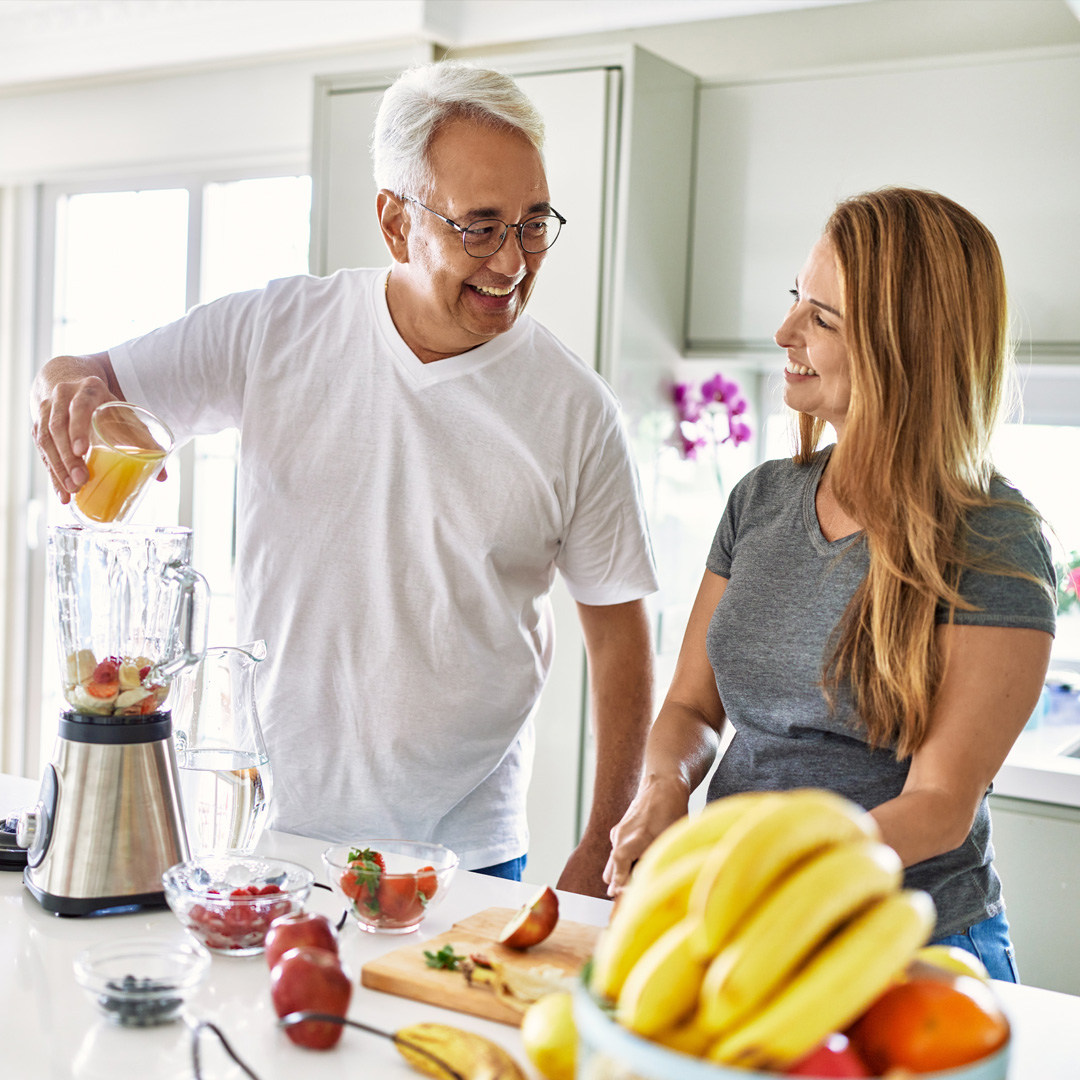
[
  {"x": 389, "y": 886},
  {"x": 228, "y": 901}
]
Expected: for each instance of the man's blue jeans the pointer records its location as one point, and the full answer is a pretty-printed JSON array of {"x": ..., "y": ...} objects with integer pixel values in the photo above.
[{"x": 511, "y": 869}]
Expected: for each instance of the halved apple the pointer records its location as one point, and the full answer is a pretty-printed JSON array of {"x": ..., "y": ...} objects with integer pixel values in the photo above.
[{"x": 533, "y": 922}]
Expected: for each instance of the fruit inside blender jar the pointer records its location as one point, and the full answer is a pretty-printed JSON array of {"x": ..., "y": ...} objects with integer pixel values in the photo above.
[{"x": 115, "y": 686}]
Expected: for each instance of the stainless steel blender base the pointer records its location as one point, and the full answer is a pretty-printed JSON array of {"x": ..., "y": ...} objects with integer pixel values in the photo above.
[
  {"x": 91, "y": 905},
  {"x": 108, "y": 822}
]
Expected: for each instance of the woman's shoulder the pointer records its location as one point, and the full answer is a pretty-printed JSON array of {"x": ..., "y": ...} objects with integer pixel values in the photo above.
[
  {"x": 779, "y": 478},
  {"x": 1007, "y": 516}
]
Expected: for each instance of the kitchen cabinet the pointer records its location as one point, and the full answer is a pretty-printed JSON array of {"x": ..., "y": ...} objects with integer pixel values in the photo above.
[
  {"x": 620, "y": 129},
  {"x": 1000, "y": 137},
  {"x": 1037, "y": 854}
]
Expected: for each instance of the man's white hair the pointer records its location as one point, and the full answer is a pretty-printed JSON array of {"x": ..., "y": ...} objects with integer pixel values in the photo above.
[{"x": 426, "y": 97}]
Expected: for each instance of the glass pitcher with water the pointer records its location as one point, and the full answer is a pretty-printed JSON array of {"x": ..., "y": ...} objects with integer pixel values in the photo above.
[{"x": 225, "y": 777}]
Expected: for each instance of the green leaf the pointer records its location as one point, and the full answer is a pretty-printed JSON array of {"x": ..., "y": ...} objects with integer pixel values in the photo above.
[{"x": 445, "y": 958}]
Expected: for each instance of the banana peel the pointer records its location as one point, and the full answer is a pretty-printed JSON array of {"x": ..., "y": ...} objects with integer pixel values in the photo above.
[
  {"x": 512, "y": 986},
  {"x": 451, "y": 1053}
]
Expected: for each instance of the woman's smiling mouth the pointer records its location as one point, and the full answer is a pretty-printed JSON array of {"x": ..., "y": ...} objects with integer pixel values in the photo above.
[{"x": 793, "y": 368}]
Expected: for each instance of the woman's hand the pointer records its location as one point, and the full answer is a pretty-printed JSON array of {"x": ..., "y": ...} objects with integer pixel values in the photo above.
[{"x": 658, "y": 803}]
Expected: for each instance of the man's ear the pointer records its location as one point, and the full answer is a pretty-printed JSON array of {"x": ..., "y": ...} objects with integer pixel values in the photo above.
[{"x": 394, "y": 223}]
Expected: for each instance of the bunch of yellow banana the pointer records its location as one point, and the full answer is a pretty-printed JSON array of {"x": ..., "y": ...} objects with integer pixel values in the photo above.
[
  {"x": 751, "y": 931},
  {"x": 451, "y": 1053}
]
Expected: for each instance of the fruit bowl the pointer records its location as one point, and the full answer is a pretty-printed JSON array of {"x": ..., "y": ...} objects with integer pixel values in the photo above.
[
  {"x": 141, "y": 983},
  {"x": 389, "y": 886},
  {"x": 607, "y": 1051},
  {"x": 228, "y": 901}
]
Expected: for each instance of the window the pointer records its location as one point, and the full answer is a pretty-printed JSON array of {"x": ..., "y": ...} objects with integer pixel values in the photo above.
[
  {"x": 127, "y": 261},
  {"x": 1036, "y": 458}
]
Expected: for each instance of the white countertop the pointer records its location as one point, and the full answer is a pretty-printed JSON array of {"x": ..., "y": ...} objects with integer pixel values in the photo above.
[
  {"x": 51, "y": 1030},
  {"x": 1035, "y": 768}
]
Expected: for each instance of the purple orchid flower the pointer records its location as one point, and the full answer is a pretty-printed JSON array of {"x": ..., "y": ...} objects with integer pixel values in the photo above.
[
  {"x": 685, "y": 404},
  {"x": 698, "y": 415}
]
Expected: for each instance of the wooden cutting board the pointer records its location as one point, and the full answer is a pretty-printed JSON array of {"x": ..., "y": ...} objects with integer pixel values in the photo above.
[{"x": 405, "y": 971}]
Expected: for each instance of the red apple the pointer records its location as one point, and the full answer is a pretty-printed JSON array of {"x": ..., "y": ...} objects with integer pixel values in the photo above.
[
  {"x": 299, "y": 928},
  {"x": 533, "y": 922},
  {"x": 834, "y": 1057},
  {"x": 311, "y": 979}
]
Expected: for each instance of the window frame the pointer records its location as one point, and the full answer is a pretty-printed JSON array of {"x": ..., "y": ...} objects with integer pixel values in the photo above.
[{"x": 23, "y": 751}]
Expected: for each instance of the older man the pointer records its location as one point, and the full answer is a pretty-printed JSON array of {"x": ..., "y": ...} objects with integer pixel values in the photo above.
[{"x": 417, "y": 459}]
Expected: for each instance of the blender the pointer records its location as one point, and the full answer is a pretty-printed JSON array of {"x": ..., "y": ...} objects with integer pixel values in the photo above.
[{"x": 130, "y": 616}]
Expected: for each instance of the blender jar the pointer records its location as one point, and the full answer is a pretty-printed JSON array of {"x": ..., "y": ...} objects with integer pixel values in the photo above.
[{"x": 130, "y": 615}]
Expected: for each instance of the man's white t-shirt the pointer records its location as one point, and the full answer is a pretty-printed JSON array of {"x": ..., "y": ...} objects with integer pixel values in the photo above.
[{"x": 399, "y": 527}]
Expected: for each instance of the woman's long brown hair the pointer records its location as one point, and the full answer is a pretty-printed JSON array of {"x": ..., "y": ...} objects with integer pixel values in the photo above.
[{"x": 926, "y": 326}]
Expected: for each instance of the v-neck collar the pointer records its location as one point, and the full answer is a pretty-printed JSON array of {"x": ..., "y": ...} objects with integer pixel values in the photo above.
[
  {"x": 810, "y": 517},
  {"x": 452, "y": 367}
]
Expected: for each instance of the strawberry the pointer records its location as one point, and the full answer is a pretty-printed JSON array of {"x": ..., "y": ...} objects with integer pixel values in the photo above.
[
  {"x": 361, "y": 882},
  {"x": 107, "y": 671},
  {"x": 399, "y": 899},
  {"x": 426, "y": 883}
]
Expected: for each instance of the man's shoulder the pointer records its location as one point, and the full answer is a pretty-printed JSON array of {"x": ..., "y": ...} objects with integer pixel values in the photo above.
[
  {"x": 554, "y": 358},
  {"x": 351, "y": 282}
]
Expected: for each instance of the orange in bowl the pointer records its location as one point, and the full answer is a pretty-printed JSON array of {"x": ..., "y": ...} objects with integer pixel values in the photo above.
[{"x": 927, "y": 1025}]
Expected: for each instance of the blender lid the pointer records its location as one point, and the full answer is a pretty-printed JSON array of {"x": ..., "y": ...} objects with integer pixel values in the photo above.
[{"x": 12, "y": 857}]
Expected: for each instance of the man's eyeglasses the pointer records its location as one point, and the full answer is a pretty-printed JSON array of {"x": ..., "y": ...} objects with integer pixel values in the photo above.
[{"x": 483, "y": 238}]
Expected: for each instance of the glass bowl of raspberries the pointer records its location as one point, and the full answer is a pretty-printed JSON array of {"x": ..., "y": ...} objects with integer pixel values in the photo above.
[
  {"x": 228, "y": 901},
  {"x": 390, "y": 886}
]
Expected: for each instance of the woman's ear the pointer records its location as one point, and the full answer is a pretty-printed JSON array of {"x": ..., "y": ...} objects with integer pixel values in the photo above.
[{"x": 394, "y": 223}]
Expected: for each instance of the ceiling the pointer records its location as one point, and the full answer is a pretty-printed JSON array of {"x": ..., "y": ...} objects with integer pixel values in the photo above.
[{"x": 48, "y": 41}]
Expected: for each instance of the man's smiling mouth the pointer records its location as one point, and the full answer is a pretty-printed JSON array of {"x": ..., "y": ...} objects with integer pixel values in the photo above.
[{"x": 493, "y": 290}]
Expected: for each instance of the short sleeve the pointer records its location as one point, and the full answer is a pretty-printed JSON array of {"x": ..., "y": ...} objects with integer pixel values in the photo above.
[
  {"x": 722, "y": 551},
  {"x": 192, "y": 372},
  {"x": 1007, "y": 536},
  {"x": 606, "y": 554}
]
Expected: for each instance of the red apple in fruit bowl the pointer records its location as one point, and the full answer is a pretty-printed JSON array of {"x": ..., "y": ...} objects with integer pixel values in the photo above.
[
  {"x": 533, "y": 922},
  {"x": 309, "y": 979},
  {"x": 296, "y": 929},
  {"x": 834, "y": 1057}
]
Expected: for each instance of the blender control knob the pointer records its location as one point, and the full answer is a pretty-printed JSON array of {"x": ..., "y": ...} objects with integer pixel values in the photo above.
[{"x": 27, "y": 828}]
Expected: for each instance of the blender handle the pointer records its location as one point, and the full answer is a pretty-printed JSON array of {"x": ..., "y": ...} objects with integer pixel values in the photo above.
[{"x": 194, "y": 616}]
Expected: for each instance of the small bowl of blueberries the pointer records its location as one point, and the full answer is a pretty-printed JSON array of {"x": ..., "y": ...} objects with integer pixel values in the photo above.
[{"x": 142, "y": 982}]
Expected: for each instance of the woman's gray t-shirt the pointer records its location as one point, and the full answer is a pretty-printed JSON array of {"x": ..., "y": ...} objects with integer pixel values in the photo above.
[{"x": 788, "y": 587}]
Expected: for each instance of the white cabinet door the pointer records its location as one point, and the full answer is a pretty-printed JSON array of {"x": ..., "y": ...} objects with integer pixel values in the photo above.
[{"x": 1002, "y": 139}]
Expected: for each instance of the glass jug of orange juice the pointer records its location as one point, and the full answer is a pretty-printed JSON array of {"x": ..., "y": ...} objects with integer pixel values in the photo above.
[{"x": 128, "y": 448}]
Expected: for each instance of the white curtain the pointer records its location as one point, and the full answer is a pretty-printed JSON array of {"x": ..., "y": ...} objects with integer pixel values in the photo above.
[{"x": 19, "y": 647}]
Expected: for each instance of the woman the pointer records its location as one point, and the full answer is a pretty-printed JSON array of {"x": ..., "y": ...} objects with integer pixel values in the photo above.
[{"x": 876, "y": 617}]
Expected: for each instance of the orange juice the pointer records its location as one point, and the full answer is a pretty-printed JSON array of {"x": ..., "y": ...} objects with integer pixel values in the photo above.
[{"x": 117, "y": 475}]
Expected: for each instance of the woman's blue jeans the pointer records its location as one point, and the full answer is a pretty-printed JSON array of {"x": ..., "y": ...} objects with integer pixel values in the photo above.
[{"x": 989, "y": 940}]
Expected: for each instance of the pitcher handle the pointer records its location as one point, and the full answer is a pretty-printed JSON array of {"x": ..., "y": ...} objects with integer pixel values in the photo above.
[{"x": 194, "y": 618}]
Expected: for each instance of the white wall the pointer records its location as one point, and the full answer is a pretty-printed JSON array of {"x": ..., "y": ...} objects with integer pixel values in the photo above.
[{"x": 247, "y": 116}]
